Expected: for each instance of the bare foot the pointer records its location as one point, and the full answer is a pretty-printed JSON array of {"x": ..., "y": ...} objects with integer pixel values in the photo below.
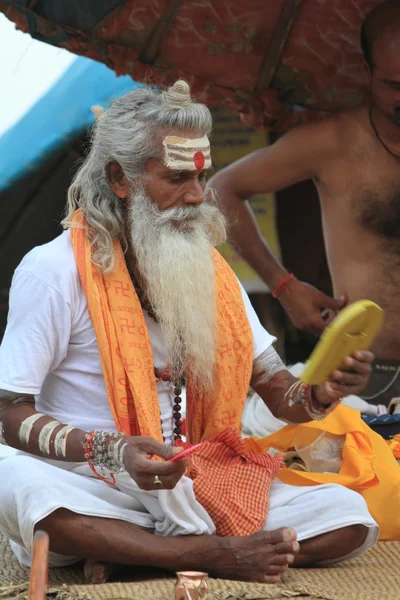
[
  {"x": 97, "y": 571},
  {"x": 261, "y": 557}
]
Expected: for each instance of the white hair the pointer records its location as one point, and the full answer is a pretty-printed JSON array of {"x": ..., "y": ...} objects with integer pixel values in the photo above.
[
  {"x": 173, "y": 252},
  {"x": 130, "y": 133}
]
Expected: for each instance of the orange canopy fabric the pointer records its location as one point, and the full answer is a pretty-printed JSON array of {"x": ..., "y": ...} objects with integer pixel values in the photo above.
[{"x": 262, "y": 58}]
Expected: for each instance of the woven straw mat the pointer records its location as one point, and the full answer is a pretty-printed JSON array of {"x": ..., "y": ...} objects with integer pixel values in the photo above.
[{"x": 374, "y": 576}]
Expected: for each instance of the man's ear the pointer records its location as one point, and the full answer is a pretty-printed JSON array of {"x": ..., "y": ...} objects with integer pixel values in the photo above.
[{"x": 117, "y": 179}]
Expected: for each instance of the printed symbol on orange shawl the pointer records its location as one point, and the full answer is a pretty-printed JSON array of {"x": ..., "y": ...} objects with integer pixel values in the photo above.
[
  {"x": 129, "y": 364},
  {"x": 127, "y": 325},
  {"x": 228, "y": 419},
  {"x": 119, "y": 286},
  {"x": 225, "y": 350}
]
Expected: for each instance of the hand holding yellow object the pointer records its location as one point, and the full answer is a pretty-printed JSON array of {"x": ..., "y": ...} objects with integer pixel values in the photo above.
[{"x": 354, "y": 329}]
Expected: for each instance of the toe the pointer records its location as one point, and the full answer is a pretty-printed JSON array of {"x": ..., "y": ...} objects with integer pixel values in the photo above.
[
  {"x": 287, "y": 548},
  {"x": 284, "y": 534},
  {"x": 282, "y": 559},
  {"x": 271, "y": 578},
  {"x": 276, "y": 569},
  {"x": 289, "y": 534}
]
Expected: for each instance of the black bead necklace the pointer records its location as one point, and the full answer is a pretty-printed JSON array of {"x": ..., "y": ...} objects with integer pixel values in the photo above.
[{"x": 177, "y": 408}]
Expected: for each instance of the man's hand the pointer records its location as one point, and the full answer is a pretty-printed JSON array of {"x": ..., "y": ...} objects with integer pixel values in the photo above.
[
  {"x": 304, "y": 304},
  {"x": 138, "y": 463},
  {"x": 345, "y": 383}
]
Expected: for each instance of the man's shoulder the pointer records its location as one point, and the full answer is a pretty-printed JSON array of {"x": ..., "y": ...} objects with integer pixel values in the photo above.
[
  {"x": 337, "y": 123},
  {"x": 54, "y": 263},
  {"x": 333, "y": 135},
  {"x": 352, "y": 118}
]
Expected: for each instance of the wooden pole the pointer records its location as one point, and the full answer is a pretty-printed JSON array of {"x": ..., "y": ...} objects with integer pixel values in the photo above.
[
  {"x": 39, "y": 569},
  {"x": 278, "y": 41}
]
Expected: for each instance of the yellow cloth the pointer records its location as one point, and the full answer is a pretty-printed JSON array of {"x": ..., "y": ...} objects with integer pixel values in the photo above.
[
  {"x": 126, "y": 354},
  {"x": 369, "y": 466}
]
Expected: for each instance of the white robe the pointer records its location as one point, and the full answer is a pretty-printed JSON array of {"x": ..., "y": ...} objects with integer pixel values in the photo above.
[{"x": 33, "y": 488}]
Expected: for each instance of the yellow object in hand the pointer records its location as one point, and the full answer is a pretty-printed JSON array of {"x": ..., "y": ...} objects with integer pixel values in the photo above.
[{"x": 355, "y": 328}]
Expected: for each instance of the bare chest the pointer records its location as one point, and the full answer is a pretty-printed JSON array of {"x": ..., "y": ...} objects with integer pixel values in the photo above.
[
  {"x": 373, "y": 184},
  {"x": 377, "y": 210}
]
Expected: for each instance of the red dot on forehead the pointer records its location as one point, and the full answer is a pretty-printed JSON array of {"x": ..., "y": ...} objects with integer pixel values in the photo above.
[{"x": 199, "y": 160}]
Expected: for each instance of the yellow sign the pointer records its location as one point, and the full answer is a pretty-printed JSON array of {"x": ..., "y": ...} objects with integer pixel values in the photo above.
[{"x": 232, "y": 140}]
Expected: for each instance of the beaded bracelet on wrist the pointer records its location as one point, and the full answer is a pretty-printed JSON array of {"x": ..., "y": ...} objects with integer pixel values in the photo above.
[
  {"x": 301, "y": 394},
  {"x": 104, "y": 454}
]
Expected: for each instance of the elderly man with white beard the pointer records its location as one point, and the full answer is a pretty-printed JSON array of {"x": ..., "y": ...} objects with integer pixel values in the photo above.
[{"x": 107, "y": 322}]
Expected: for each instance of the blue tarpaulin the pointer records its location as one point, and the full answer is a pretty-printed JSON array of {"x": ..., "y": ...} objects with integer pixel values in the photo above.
[{"x": 58, "y": 117}]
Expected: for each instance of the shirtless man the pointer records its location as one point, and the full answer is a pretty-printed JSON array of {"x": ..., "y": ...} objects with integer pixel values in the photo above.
[{"x": 353, "y": 157}]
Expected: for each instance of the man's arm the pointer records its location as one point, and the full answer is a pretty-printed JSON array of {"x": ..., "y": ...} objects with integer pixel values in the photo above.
[
  {"x": 24, "y": 428},
  {"x": 299, "y": 155},
  {"x": 293, "y": 402},
  {"x": 16, "y": 409}
]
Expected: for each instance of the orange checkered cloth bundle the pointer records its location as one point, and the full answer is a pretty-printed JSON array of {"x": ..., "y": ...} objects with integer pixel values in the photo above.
[{"x": 233, "y": 484}]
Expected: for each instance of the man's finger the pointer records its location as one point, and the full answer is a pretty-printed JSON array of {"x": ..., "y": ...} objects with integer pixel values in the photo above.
[
  {"x": 157, "y": 467},
  {"x": 151, "y": 446},
  {"x": 364, "y": 356},
  {"x": 169, "y": 481},
  {"x": 348, "y": 379},
  {"x": 362, "y": 368},
  {"x": 325, "y": 301},
  {"x": 317, "y": 327}
]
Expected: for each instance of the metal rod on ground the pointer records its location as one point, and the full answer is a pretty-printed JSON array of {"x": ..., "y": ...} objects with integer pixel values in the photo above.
[{"x": 39, "y": 569}]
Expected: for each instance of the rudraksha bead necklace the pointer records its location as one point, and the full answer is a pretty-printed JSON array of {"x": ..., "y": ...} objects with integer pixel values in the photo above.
[{"x": 166, "y": 376}]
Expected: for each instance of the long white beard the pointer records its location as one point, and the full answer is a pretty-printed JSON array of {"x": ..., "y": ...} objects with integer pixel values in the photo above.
[{"x": 173, "y": 253}]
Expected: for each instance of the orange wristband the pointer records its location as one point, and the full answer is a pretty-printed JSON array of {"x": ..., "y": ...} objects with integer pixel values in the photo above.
[{"x": 283, "y": 286}]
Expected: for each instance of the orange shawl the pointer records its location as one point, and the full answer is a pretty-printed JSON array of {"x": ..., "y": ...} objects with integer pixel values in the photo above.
[
  {"x": 223, "y": 471},
  {"x": 126, "y": 354}
]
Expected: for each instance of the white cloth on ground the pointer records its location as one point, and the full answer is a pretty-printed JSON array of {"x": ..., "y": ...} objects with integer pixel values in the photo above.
[
  {"x": 258, "y": 420},
  {"x": 34, "y": 488}
]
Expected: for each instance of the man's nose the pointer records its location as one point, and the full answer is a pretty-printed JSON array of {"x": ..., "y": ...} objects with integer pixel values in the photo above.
[{"x": 194, "y": 194}]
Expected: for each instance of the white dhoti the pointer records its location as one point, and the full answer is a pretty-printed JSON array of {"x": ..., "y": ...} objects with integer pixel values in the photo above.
[{"x": 32, "y": 489}]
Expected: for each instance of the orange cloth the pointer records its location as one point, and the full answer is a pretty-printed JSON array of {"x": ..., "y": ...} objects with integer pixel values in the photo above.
[
  {"x": 368, "y": 464},
  {"x": 233, "y": 484}
]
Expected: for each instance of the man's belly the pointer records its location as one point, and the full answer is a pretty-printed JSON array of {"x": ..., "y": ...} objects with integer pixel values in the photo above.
[{"x": 381, "y": 284}]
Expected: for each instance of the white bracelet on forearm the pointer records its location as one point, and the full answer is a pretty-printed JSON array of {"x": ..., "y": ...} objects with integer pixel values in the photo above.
[
  {"x": 45, "y": 436},
  {"x": 266, "y": 366},
  {"x": 24, "y": 432},
  {"x": 60, "y": 441}
]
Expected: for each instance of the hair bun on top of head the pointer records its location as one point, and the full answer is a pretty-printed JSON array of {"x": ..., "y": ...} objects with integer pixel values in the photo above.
[
  {"x": 98, "y": 111},
  {"x": 178, "y": 95}
]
